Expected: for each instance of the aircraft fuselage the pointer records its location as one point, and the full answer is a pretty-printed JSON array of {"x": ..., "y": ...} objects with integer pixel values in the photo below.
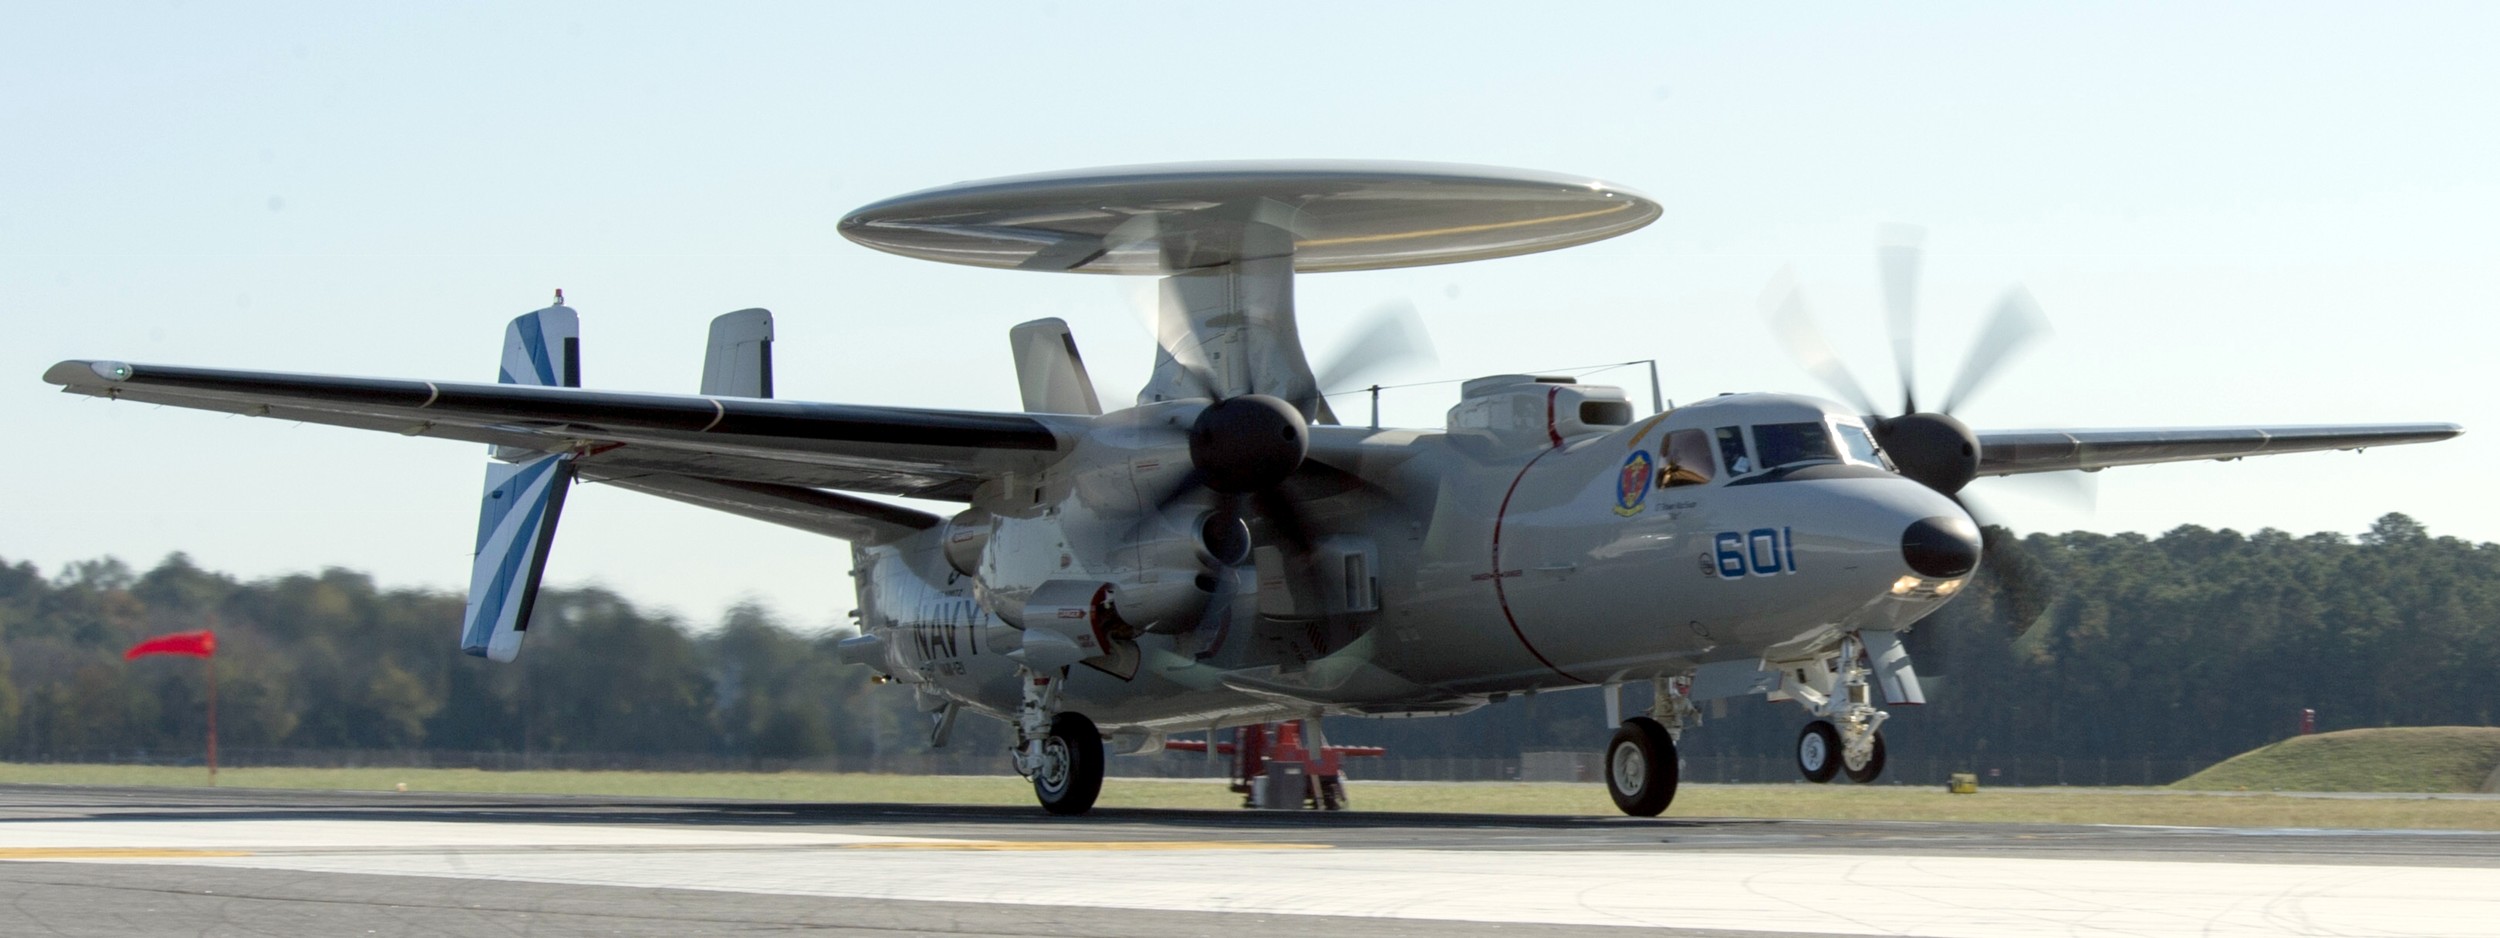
[{"x": 1495, "y": 568}]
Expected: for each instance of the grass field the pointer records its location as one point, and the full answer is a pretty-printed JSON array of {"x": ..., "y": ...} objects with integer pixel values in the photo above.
[
  {"x": 1844, "y": 802},
  {"x": 2404, "y": 758}
]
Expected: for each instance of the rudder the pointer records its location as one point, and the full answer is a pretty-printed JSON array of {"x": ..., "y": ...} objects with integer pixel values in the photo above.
[{"x": 524, "y": 495}]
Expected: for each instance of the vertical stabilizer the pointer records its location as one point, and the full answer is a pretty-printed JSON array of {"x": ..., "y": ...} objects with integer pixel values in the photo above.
[
  {"x": 524, "y": 492},
  {"x": 1049, "y": 371},
  {"x": 739, "y": 360},
  {"x": 543, "y": 348},
  {"x": 514, "y": 527}
]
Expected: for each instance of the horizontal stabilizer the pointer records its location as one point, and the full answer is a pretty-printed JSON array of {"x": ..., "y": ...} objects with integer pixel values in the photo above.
[
  {"x": 739, "y": 360},
  {"x": 514, "y": 527}
]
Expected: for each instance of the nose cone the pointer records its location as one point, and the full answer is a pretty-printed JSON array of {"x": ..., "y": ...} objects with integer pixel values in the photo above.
[{"x": 1942, "y": 546}]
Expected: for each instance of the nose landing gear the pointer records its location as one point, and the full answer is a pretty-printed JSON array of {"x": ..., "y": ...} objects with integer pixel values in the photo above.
[
  {"x": 1822, "y": 754},
  {"x": 1846, "y": 737}
]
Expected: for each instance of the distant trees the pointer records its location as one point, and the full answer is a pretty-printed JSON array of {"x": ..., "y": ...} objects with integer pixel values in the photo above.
[
  {"x": 2197, "y": 643},
  {"x": 331, "y": 661}
]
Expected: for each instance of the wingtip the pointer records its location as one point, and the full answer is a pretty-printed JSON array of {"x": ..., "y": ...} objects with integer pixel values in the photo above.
[{"x": 78, "y": 372}]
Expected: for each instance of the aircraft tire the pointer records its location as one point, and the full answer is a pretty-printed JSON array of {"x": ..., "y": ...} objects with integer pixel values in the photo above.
[
  {"x": 1818, "y": 752},
  {"x": 1641, "y": 768},
  {"x": 1874, "y": 767},
  {"x": 1072, "y": 774}
]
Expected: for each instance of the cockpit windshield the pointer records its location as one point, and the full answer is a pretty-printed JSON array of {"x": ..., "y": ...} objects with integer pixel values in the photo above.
[
  {"x": 1861, "y": 447},
  {"x": 1782, "y": 444}
]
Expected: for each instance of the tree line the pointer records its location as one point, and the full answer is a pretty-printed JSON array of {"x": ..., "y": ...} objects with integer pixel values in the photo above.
[
  {"x": 2195, "y": 644},
  {"x": 333, "y": 661}
]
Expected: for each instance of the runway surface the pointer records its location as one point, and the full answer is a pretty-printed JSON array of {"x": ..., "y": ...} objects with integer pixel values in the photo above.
[{"x": 122, "y": 862}]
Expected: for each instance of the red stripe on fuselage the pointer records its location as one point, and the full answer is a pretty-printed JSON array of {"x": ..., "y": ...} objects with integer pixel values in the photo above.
[{"x": 1502, "y": 596}]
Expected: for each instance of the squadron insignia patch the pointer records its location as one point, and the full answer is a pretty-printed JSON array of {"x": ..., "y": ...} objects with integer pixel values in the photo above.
[{"x": 1632, "y": 484}]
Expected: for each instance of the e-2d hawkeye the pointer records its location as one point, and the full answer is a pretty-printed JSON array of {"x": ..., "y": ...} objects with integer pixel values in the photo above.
[{"x": 1225, "y": 551}]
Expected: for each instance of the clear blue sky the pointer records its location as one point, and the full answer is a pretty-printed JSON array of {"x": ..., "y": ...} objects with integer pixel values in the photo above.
[{"x": 2234, "y": 213}]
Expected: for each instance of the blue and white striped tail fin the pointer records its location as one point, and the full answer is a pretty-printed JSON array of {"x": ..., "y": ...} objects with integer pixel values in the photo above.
[
  {"x": 517, "y": 519},
  {"x": 514, "y": 528},
  {"x": 543, "y": 348}
]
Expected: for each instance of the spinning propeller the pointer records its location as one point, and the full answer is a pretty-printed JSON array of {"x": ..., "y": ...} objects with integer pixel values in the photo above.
[
  {"x": 1245, "y": 447},
  {"x": 1933, "y": 448}
]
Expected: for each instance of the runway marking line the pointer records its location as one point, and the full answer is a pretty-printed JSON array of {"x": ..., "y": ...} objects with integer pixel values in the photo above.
[
  {"x": 111, "y": 853},
  {"x": 1001, "y": 845}
]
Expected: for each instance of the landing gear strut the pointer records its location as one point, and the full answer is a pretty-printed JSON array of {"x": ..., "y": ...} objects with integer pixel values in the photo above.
[
  {"x": 1846, "y": 735},
  {"x": 1060, "y": 751}
]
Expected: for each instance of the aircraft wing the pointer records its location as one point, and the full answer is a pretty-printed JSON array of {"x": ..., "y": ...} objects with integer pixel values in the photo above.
[
  {"x": 816, "y": 511},
  {"x": 772, "y": 447},
  {"x": 2009, "y": 452}
]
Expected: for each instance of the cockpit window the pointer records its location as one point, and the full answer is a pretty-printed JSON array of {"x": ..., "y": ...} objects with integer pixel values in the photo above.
[
  {"x": 1688, "y": 460},
  {"x": 1861, "y": 447},
  {"x": 1782, "y": 444},
  {"x": 1732, "y": 450}
]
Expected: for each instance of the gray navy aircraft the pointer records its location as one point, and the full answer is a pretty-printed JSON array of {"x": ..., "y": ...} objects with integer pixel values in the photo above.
[{"x": 1225, "y": 551}]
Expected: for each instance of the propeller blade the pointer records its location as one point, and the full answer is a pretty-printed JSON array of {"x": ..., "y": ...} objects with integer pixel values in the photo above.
[
  {"x": 1216, "y": 618},
  {"x": 1189, "y": 484},
  {"x": 1898, "y": 252},
  {"x": 2017, "y": 322},
  {"x": 1174, "y": 344},
  {"x": 1201, "y": 376},
  {"x": 1784, "y": 307},
  {"x": 2071, "y": 491},
  {"x": 1284, "y": 518},
  {"x": 2024, "y": 589},
  {"x": 1391, "y": 335}
]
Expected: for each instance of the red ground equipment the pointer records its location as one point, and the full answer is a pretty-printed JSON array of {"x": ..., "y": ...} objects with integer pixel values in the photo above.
[{"x": 1272, "y": 769}]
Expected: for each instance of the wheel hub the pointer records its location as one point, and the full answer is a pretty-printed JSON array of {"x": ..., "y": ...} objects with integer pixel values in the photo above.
[
  {"x": 1812, "y": 753},
  {"x": 1631, "y": 772},
  {"x": 1052, "y": 775}
]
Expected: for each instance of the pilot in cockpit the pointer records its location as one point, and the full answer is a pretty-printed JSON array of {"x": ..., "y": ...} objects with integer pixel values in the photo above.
[{"x": 1732, "y": 451}]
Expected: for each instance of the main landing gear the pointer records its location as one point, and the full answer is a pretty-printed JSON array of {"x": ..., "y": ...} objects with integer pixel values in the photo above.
[
  {"x": 1846, "y": 737},
  {"x": 1642, "y": 768},
  {"x": 1641, "y": 771},
  {"x": 1061, "y": 751}
]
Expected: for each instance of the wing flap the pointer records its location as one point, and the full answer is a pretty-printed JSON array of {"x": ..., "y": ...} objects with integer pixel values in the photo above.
[
  {"x": 2009, "y": 452},
  {"x": 889, "y": 450}
]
